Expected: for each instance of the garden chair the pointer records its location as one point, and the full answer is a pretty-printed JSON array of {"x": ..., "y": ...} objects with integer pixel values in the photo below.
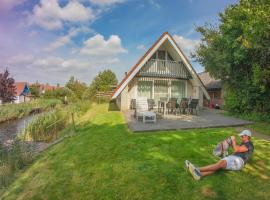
[
  {"x": 142, "y": 110},
  {"x": 151, "y": 104},
  {"x": 171, "y": 105},
  {"x": 193, "y": 105},
  {"x": 183, "y": 106},
  {"x": 132, "y": 104}
]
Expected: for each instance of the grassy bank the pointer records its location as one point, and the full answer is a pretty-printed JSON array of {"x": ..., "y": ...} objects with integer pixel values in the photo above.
[
  {"x": 46, "y": 127},
  {"x": 16, "y": 111},
  {"x": 261, "y": 127},
  {"x": 106, "y": 161}
]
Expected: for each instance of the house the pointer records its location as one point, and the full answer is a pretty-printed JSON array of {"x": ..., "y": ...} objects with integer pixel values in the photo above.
[
  {"x": 214, "y": 88},
  {"x": 42, "y": 88},
  {"x": 23, "y": 93},
  {"x": 163, "y": 71}
]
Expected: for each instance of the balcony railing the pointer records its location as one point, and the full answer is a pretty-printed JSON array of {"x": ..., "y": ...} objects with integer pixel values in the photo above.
[{"x": 164, "y": 69}]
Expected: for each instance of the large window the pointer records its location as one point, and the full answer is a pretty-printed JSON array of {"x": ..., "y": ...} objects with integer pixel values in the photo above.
[
  {"x": 160, "y": 89},
  {"x": 145, "y": 89},
  {"x": 178, "y": 89}
]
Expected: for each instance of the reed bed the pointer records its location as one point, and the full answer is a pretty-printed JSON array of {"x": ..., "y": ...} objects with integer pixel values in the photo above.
[
  {"x": 16, "y": 111},
  {"x": 46, "y": 126}
]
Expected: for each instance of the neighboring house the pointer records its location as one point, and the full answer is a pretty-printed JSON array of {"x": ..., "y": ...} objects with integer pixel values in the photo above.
[
  {"x": 44, "y": 87},
  {"x": 22, "y": 92},
  {"x": 164, "y": 71},
  {"x": 214, "y": 88}
]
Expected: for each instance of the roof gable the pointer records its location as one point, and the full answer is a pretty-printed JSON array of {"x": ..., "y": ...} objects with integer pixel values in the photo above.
[
  {"x": 135, "y": 69},
  {"x": 21, "y": 88}
]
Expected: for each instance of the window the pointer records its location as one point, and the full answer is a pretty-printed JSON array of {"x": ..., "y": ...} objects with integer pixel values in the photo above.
[
  {"x": 162, "y": 55},
  {"x": 178, "y": 89},
  {"x": 145, "y": 89},
  {"x": 160, "y": 89}
]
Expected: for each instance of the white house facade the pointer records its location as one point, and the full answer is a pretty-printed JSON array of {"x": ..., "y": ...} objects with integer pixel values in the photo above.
[{"x": 163, "y": 72}]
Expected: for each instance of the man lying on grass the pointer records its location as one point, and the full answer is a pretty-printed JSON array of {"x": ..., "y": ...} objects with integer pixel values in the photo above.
[{"x": 236, "y": 161}]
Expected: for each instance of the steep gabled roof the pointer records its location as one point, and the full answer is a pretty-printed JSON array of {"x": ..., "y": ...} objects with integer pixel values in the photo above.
[
  {"x": 134, "y": 70},
  {"x": 20, "y": 88},
  {"x": 209, "y": 82}
]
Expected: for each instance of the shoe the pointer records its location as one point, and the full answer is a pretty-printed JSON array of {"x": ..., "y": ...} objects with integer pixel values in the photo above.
[
  {"x": 196, "y": 174},
  {"x": 187, "y": 163}
]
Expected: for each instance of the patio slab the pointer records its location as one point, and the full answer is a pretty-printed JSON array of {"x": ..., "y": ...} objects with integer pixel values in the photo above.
[{"x": 205, "y": 119}]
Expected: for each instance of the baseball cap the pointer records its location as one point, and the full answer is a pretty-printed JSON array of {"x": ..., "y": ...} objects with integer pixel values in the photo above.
[{"x": 245, "y": 132}]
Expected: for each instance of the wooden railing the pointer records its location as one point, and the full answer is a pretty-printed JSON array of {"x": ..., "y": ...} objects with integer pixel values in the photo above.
[{"x": 164, "y": 68}]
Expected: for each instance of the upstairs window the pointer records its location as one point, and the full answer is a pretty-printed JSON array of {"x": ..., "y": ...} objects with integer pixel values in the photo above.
[{"x": 162, "y": 55}]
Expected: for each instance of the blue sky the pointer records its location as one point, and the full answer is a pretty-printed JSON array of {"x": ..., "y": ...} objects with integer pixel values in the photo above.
[{"x": 51, "y": 40}]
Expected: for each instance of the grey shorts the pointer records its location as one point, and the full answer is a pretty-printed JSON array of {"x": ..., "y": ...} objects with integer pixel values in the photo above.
[{"x": 234, "y": 162}]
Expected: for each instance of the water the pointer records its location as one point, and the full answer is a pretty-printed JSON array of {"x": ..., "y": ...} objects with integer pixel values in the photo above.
[{"x": 9, "y": 130}]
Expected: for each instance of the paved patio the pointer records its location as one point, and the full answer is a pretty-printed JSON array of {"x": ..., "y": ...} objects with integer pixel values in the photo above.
[{"x": 205, "y": 119}]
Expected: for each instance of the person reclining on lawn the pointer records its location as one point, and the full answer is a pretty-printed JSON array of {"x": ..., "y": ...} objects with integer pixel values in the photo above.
[{"x": 236, "y": 161}]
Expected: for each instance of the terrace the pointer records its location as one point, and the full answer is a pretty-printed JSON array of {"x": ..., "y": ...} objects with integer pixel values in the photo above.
[{"x": 205, "y": 119}]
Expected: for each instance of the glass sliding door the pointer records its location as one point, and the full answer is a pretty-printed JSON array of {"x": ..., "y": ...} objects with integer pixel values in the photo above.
[
  {"x": 161, "y": 89},
  {"x": 178, "y": 89},
  {"x": 145, "y": 89}
]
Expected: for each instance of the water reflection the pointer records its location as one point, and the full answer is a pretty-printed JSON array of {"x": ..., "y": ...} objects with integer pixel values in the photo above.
[{"x": 9, "y": 130}]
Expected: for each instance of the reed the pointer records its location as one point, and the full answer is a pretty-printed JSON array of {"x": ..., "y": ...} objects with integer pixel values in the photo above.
[{"x": 16, "y": 111}]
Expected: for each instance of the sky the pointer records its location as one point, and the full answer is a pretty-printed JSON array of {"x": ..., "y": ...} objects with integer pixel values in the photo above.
[{"x": 51, "y": 40}]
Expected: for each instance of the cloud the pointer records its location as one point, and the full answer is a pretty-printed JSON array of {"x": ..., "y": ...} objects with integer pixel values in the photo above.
[
  {"x": 98, "y": 46},
  {"x": 63, "y": 40},
  {"x": 188, "y": 45},
  {"x": 106, "y": 2},
  {"x": 20, "y": 59},
  {"x": 154, "y": 3},
  {"x": 50, "y": 15},
  {"x": 141, "y": 47},
  {"x": 6, "y": 5}
]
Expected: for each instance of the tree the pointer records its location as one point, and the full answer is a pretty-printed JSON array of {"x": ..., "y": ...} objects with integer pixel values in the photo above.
[
  {"x": 34, "y": 89},
  {"x": 102, "y": 82},
  {"x": 237, "y": 52},
  {"x": 7, "y": 87},
  {"x": 76, "y": 86}
]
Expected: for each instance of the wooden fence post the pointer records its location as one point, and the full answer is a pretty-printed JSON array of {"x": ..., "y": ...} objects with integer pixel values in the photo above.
[{"x": 73, "y": 122}]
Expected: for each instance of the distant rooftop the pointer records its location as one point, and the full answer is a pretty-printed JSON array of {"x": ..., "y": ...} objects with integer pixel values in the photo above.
[{"x": 209, "y": 81}]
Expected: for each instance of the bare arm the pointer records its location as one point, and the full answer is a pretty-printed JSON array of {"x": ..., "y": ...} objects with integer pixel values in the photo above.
[{"x": 238, "y": 148}]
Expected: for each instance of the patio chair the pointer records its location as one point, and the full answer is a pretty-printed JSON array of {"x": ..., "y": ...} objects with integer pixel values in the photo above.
[
  {"x": 151, "y": 104},
  {"x": 171, "y": 105},
  {"x": 183, "y": 106},
  {"x": 193, "y": 105},
  {"x": 142, "y": 110},
  {"x": 132, "y": 104}
]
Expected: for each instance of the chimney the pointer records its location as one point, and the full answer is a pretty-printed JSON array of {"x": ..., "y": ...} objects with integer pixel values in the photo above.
[{"x": 126, "y": 74}]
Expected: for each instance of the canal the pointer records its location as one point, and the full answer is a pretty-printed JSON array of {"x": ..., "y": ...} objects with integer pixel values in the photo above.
[{"x": 10, "y": 129}]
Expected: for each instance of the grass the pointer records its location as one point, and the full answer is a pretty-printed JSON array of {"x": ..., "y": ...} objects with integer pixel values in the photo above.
[
  {"x": 261, "y": 127},
  {"x": 106, "y": 161}
]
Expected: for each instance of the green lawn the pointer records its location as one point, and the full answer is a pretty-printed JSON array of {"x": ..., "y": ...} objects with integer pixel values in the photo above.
[
  {"x": 106, "y": 161},
  {"x": 261, "y": 127}
]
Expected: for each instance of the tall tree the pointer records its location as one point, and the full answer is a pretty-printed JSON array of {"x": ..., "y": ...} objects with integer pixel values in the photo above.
[
  {"x": 7, "y": 87},
  {"x": 238, "y": 52},
  {"x": 77, "y": 87},
  {"x": 102, "y": 82},
  {"x": 34, "y": 89}
]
